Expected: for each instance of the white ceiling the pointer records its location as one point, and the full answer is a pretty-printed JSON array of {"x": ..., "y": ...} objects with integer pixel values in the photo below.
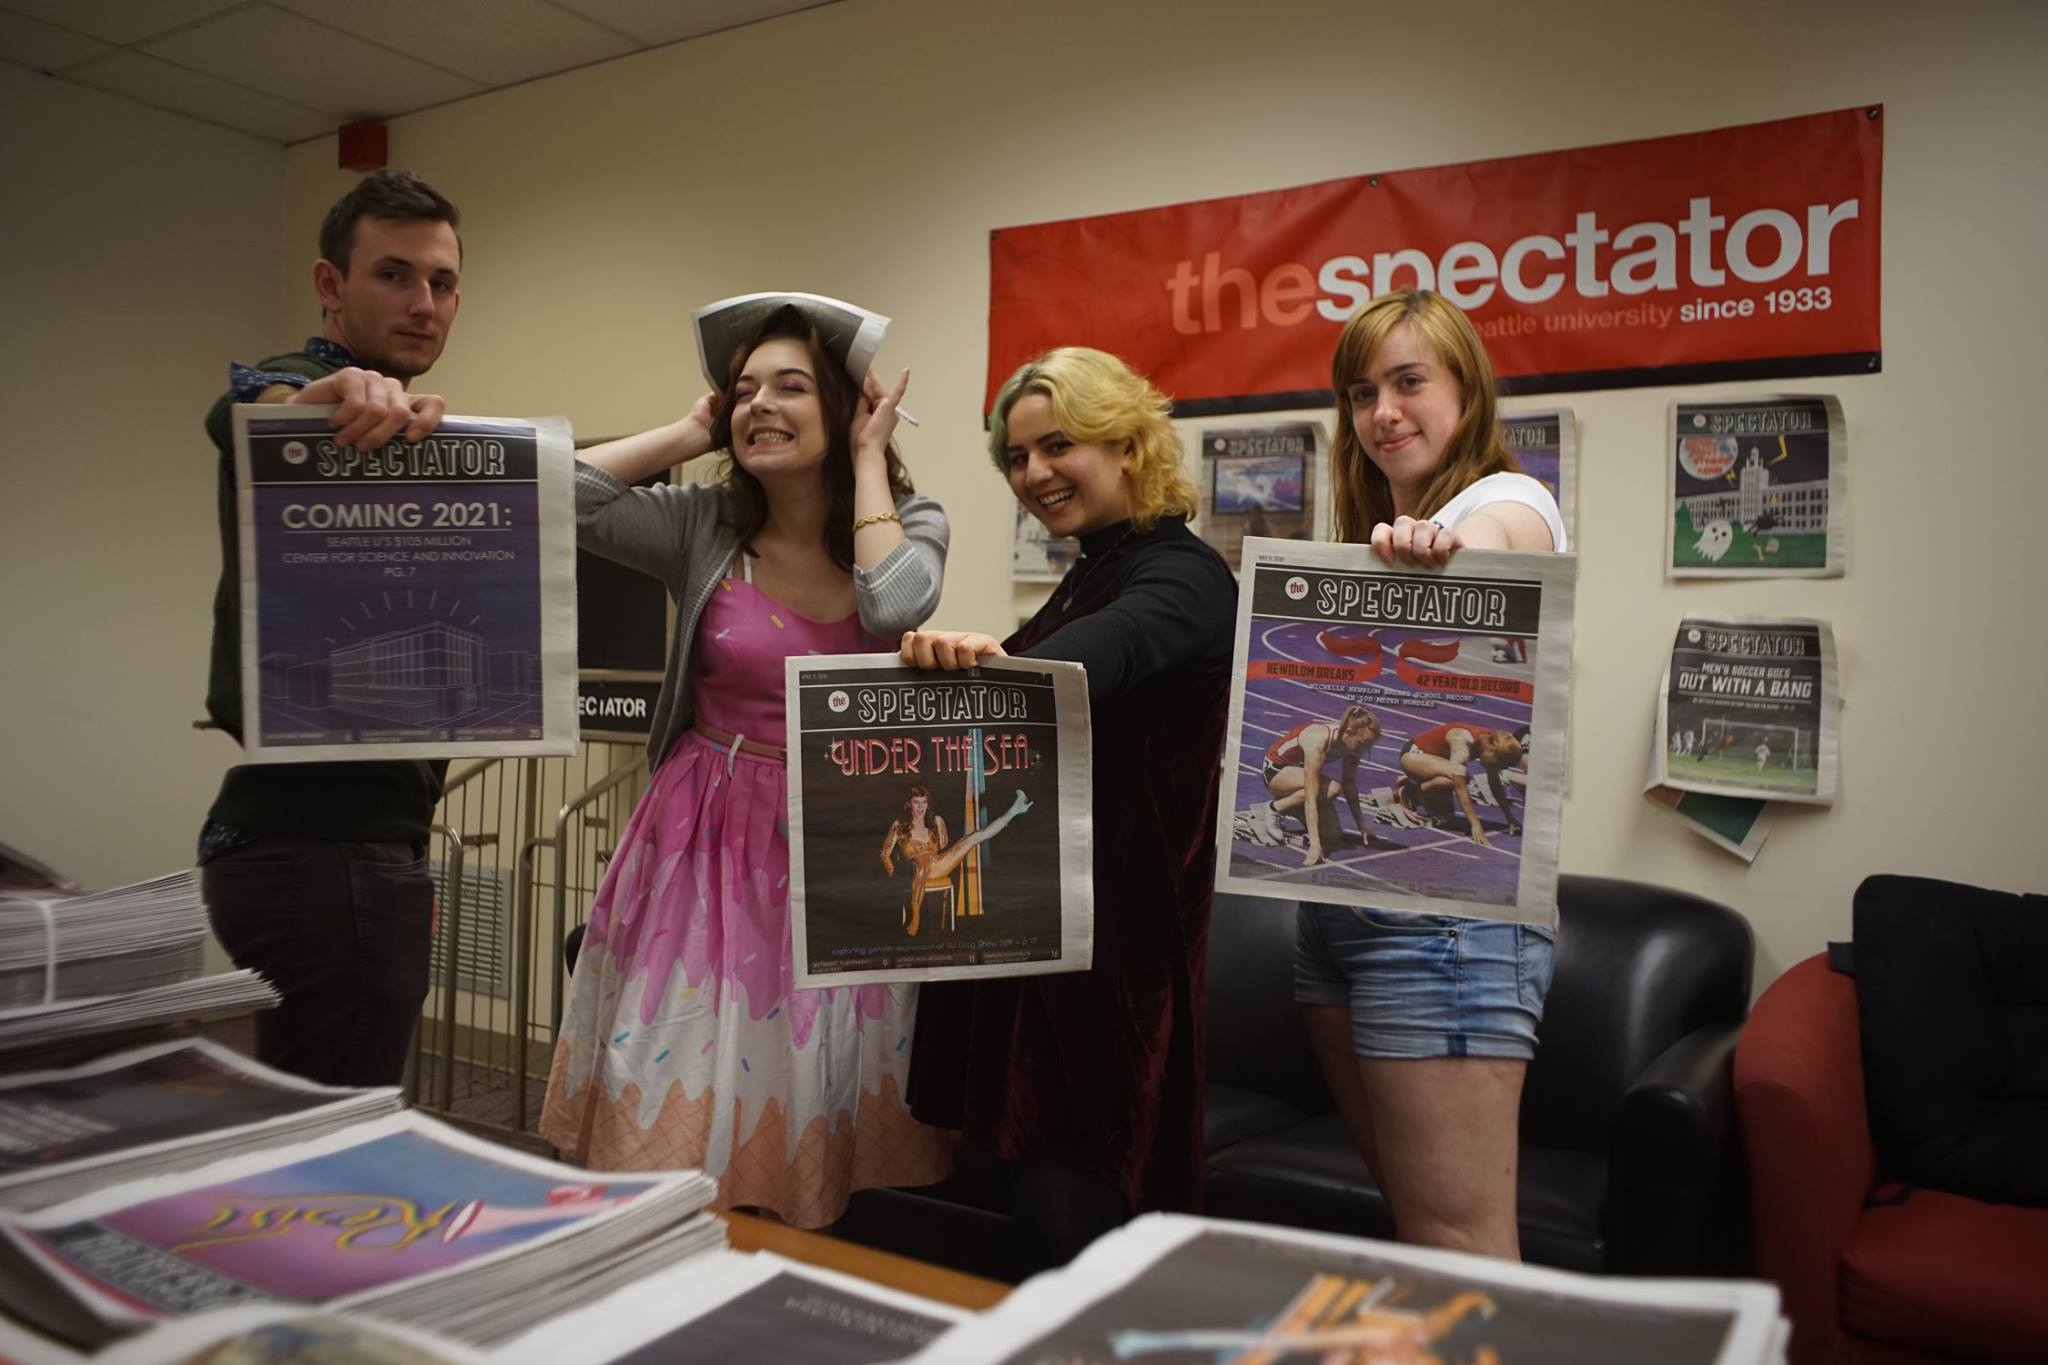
[{"x": 288, "y": 70}]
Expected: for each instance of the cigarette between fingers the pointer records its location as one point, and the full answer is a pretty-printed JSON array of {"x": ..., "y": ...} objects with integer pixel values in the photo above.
[{"x": 908, "y": 418}]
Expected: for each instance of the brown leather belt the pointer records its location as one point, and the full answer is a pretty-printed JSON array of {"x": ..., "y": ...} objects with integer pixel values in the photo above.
[{"x": 724, "y": 738}]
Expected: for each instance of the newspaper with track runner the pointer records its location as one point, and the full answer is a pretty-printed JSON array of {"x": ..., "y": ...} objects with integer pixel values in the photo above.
[
  {"x": 400, "y": 1217},
  {"x": 1759, "y": 487},
  {"x": 1750, "y": 706},
  {"x": 1397, "y": 736},
  {"x": 155, "y": 1110},
  {"x": 417, "y": 600},
  {"x": 939, "y": 822},
  {"x": 1178, "y": 1290}
]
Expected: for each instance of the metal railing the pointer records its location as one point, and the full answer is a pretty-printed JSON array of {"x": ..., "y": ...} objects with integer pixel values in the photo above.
[{"x": 478, "y": 1049}]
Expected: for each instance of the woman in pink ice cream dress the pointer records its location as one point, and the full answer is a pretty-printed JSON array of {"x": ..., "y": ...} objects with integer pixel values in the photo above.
[{"x": 683, "y": 1043}]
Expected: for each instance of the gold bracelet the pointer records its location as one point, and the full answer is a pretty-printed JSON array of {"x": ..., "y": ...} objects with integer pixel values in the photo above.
[{"x": 876, "y": 519}]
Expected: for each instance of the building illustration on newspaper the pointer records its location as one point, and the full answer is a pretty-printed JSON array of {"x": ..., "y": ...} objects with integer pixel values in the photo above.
[
  {"x": 1750, "y": 708},
  {"x": 1397, "y": 736},
  {"x": 415, "y": 600},
  {"x": 1759, "y": 488},
  {"x": 938, "y": 822}
]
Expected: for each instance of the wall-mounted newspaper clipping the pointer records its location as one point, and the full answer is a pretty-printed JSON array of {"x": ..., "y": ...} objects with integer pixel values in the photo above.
[
  {"x": 939, "y": 823},
  {"x": 1397, "y": 736},
  {"x": 1759, "y": 488},
  {"x": 1036, "y": 557},
  {"x": 412, "y": 601},
  {"x": 1734, "y": 824},
  {"x": 1749, "y": 708},
  {"x": 1545, "y": 442},
  {"x": 1258, "y": 481}
]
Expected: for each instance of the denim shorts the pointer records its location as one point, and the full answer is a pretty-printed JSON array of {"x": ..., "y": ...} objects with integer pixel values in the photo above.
[{"x": 1425, "y": 985}]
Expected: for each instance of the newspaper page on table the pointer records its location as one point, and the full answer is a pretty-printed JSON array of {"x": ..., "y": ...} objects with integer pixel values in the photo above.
[
  {"x": 263, "y": 1333},
  {"x": 412, "y": 601},
  {"x": 1545, "y": 442},
  {"x": 1178, "y": 1290},
  {"x": 395, "y": 1201},
  {"x": 1431, "y": 702},
  {"x": 1758, "y": 488},
  {"x": 1258, "y": 481},
  {"x": 1749, "y": 707},
  {"x": 939, "y": 823},
  {"x": 175, "y": 1103},
  {"x": 724, "y": 1306}
]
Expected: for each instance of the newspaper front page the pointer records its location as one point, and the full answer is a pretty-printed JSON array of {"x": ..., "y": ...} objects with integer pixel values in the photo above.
[
  {"x": 412, "y": 601},
  {"x": 1749, "y": 707},
  {"x": 1734, "y": 824},
  {"x": 939, "y": 823},
  {"x": 1545, "y": 442},
  {"x": 1758, "y": 488},
  {"x": 1035, "y": 556},
  {"x": 1397, "y": 736},
  {"x": 1177, "y": 1290},
  {"x": 1258, "y": 481}
]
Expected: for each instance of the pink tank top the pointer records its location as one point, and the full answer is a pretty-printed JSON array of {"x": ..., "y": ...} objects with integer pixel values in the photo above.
[{"x": 742, "y": 639}]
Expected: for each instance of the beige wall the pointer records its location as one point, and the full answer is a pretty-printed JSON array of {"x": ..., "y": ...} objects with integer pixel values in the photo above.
[
  {"x": 138, "y": 251},
  {"x": 866, "y": 148}
]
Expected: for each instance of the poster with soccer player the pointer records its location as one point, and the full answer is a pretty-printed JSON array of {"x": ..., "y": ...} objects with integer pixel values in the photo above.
[
  {"x": 1749, "y": 707},
  {"x": 939, "y": 823},
  {"x": 1759, "y": 488},
  {"x": 1397, "y": 735}
]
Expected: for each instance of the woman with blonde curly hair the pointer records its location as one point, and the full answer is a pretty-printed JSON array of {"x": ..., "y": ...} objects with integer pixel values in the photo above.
[{"x": 1088, "y": 1085}]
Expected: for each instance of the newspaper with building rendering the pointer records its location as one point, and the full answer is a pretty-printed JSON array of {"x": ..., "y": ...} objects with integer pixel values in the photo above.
[
  {"x": 1192, "y": 1291},
  {"x": 1759, "y": 488},
  {"x": 417, "y": 600},
  {"x": 153, "y": 1111},
  {"x": 939, "y": 822},
  {"x": 724, "y": 1306},
  {"x": 1750, "y": 707},
  {"x": 398, "y": 1217},
  {"x": 1037, "y": 556},
  {"x": 1545, "y": 442},
  {"x": 1258, "y": 481},
  {"x": 1397, "y": 736}
]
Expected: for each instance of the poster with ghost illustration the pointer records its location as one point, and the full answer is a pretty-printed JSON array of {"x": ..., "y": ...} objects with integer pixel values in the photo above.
[{"x": 1759, "y": 488}]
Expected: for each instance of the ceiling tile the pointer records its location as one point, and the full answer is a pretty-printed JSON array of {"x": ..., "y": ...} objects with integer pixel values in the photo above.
[
  {"x": 498, "y": 42},
  {"x": 188, "y": 92},
  {"x": 120, "y": 21},
  {"x": 311, "y": 64},
  {"x": 41, "y": 46},
  {"x": 664, "y": 21}
]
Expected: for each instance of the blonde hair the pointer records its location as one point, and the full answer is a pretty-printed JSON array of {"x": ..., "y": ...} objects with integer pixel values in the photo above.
[
  {"x": 1096, "y": 397},
  {"x": 1475, "y": 448}
]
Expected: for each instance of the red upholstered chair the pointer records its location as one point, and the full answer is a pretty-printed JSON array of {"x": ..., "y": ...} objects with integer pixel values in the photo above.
[{"x": 1870, "y": 1272}]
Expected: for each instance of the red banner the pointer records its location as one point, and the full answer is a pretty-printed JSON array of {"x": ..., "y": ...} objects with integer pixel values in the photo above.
[{"x": 1739, "y": 253}]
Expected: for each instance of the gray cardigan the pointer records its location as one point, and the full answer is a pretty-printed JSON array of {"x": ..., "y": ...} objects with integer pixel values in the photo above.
[{"x": 675, "y": 533}]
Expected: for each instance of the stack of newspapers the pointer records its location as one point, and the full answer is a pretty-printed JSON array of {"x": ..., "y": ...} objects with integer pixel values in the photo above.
[
  {"x": 154, "y": 1111},
  {"x": 1173, "y": 1288},
  {"x": 58, "y": 945},
  {"x": 78, "y": 964},
  {"x": 397, "y": 1218}
]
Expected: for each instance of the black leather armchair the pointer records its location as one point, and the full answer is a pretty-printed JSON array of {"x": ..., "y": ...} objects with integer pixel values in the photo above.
[{"x": 1628, "y": 1163}]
